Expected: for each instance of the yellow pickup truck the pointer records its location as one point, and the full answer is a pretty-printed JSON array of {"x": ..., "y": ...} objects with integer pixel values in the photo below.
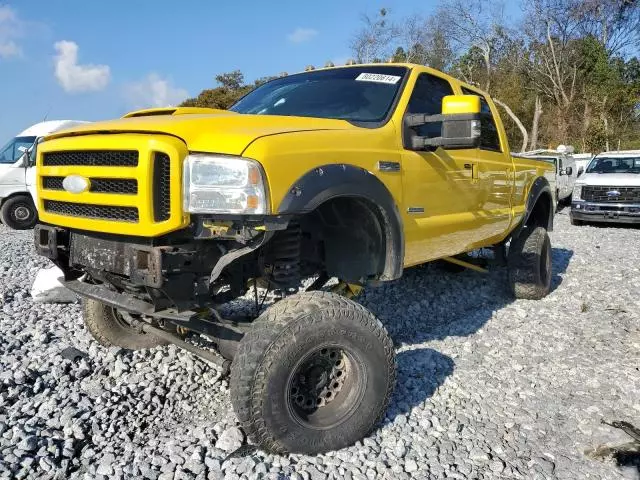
[{"x": 354, "y": 173}]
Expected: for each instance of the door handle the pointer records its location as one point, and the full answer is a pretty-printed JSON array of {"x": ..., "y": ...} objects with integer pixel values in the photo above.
[{"x": 474, "y": 170}]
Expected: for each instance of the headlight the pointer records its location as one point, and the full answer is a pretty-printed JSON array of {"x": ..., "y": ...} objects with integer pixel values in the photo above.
[
  {"x": 223, "y": 184},
  {"x": 577, "y": 192}
]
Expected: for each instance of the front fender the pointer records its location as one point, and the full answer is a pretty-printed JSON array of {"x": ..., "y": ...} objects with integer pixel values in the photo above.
[{"x": 339, "y": 180}]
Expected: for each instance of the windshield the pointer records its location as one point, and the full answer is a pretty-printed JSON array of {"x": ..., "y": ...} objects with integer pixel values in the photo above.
[
  {"x": 10, "y": 153},
  {"x": 357, "y": 94},
  {"x": 614, "y": 165}
]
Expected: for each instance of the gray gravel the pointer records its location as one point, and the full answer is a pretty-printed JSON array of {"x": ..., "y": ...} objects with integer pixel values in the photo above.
[{"x": 487, "y": 387}]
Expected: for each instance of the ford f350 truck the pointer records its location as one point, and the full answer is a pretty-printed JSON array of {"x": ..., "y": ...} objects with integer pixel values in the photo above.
[
  {"x": 609, "y": 190},
  {"x": 354, "y": 173}
]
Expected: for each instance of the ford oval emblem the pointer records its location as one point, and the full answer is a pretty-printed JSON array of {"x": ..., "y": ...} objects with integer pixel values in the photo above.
[
  {"x": 613, "y": 193},
  {"x": 76, "y": 184}
]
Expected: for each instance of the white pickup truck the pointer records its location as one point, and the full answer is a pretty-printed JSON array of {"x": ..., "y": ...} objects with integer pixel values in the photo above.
[
  {"x": 17, "y": 191},
  {"x": 609, "y": 190}
]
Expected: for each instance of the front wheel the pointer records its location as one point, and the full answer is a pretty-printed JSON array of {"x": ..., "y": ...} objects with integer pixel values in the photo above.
[
  {"x": 315, "y": 373},
  {"x": 19, "y": 213},
  {"x": 529, "y": 264},
  {"x": 111, "y": 329}
]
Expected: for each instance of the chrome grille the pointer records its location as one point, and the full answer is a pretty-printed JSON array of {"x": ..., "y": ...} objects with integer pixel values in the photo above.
[
  {"x": 593, "y": 193},
  {"x": 124, "y": 186},
  {"x": 86, "y": 210},
  {"x": 91, "y": 158}
]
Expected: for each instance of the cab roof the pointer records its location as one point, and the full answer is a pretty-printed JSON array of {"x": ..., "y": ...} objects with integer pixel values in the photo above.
[{"x": 410, "y": 66}]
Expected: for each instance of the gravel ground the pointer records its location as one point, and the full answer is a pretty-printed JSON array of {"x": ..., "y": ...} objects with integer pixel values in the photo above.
[{"x": 487, "y": 387}]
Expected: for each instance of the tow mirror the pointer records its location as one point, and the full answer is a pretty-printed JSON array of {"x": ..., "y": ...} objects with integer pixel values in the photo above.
[
  {"x": 568, "y": 171},
  {"x": 460, "y": 120}
]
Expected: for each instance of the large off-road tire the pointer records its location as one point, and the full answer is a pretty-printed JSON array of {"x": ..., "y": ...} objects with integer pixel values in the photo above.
[
  {"x": 110, "y": 329},
  {"x": 529, "y": 264},
  {"x": 19, "y": 213},
  {"x": 314, "y": 373}
]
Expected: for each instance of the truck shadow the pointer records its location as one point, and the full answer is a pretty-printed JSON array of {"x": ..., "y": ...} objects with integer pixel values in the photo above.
[
  {"x": 429, "y": 304},
  {"x": 420, "y": 372}
]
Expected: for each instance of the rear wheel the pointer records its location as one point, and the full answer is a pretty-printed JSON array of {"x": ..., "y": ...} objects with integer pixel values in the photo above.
[
  {"x": 111, "y": 329},
  {"x": 315, "y": 373},
  {"x": 19, "y": 213},
  {"x": 529, "y": 264}
]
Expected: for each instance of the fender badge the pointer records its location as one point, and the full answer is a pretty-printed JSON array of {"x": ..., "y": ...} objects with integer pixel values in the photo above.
[{"x": 76, "y": 184}]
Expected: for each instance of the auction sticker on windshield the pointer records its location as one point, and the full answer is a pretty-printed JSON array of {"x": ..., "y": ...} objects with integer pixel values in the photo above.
[{"x": 378, "y": 78}]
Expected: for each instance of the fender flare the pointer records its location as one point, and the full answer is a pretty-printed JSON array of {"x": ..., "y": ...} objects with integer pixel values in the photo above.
[
  {"x": 540, "y": 187},
  {"x": 340, "y": 180}
]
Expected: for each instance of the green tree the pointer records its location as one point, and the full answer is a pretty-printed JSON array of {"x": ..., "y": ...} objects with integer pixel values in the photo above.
[{"x": 231, "y": 88}]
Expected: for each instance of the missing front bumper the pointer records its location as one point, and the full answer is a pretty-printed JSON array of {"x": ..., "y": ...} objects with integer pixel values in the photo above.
[{"x": 141, "y": 264}]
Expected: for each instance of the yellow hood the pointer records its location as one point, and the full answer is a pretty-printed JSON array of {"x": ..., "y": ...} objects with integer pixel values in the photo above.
[{"x": 227, "y": 133}]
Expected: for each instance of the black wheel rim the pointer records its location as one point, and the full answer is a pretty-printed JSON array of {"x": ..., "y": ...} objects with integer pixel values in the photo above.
[{"x": 325, "y": 387}]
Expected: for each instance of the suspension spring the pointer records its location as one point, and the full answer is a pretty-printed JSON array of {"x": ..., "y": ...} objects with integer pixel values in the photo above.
[{"x": 284, "y": 257}]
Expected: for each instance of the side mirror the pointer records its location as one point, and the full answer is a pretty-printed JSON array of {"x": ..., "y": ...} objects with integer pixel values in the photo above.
[
  {"x": 580, "y": 171},
  {"x": 568, "y": 171},
  {"x": 23, "y": 149},
  {"x": 460, "y": 119}
]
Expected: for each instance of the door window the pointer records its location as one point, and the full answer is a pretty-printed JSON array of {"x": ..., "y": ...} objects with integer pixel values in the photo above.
[
  {"x": 10, "y": 153},
  {"x": 489, "y": 139},
  {"x": 426, "y": 98}
]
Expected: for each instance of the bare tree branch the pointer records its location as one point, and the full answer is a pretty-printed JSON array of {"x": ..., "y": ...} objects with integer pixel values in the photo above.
[{"x": 523, "y": 130}]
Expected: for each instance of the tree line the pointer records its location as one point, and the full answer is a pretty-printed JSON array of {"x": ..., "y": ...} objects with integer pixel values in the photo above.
[{"x": 567, "y": 72}]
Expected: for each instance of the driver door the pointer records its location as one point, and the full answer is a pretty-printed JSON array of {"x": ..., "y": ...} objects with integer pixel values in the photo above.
[
  {"x": 439, "y": 186},
  {"x": 12, "y": 172}
]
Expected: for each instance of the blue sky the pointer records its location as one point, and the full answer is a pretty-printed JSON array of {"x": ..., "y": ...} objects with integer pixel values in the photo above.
[{"x": 90, "y": 60}]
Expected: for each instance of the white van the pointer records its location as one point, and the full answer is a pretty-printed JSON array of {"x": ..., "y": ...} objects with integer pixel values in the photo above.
[{"x": 17, "y": 191}]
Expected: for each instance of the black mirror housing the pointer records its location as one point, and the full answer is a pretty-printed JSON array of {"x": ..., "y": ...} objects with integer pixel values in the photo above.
[{"x": 459, "y": 130}]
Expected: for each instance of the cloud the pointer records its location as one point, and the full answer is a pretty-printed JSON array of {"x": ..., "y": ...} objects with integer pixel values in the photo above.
[
  {"x": 154, "y": 91},
  {"x": 76, "y": 78},
  {"x": 11, "y": 28},
  {"x": 9, "y": 49},
  {"x": 300, "y": 35}
]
